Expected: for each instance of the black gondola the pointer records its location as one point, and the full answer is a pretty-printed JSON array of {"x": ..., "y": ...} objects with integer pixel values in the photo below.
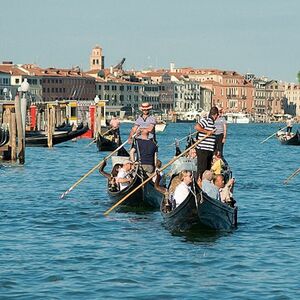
[
  {"x": 146, "y": 196},
  {"x": 198, "y": 209},
  {"x": 293, "y": 140},
  {"x": 4, "y": 136},
  {"x": 41, "y": 140},
  {"x": 109, "y": 141}
]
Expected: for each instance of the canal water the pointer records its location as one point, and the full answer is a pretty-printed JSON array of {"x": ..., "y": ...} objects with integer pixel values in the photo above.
[{"x": 66, "y": 249}]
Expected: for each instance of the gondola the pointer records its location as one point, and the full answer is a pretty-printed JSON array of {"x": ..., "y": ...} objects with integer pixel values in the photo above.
[
  {"x": 4, "y": 136},
  {"x": 108, "y": 142},
  {"x": 41, "y": 140},
  {"x": 293, "y": 140},
  {"x": 198, "y": 209},
  {"x": 146, "y": 196}
]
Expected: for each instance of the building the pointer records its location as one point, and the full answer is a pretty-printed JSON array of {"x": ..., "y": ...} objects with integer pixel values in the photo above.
[{"x": 96, "y": 59}]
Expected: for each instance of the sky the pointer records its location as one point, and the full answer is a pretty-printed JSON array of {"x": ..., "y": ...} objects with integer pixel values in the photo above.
[{"x": 253, "y": 36}]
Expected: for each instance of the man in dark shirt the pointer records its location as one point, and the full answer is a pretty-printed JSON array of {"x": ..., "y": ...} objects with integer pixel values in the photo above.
[{"x": 145, "y": 151}]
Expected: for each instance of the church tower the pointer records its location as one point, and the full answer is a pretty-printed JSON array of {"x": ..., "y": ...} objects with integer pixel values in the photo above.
[{"x": 96, "y": 59}]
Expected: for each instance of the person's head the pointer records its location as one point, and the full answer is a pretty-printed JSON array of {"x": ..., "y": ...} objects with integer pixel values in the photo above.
[
  {"x": 158, "y": 163},
  {"x": 192, "y": 153},
  {"x": 144, "y": 133},
  {"x": 186, "y": 177},
  {"x": 213, "y": 113},
  {"x": 145, "y": 108},
  {"x": 115, "y": 169},
  {"x": 219, "y": 181},
  {"x": 221, "y": 111},
  {"x": 208, "y": 175},
  {"x": 127, "y": 165}
]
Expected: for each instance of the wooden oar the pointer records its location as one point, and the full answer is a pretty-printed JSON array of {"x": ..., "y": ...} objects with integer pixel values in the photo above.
[
  {"x": 94, "y": 140},
  {"x": 154, "y": 174},
  {"x": 92, "y": 170},
  {"x": 272, "y": 135},
  {"x": 294, "y": 174}
]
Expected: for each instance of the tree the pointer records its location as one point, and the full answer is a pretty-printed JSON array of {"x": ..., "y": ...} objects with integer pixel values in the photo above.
[{"x": 298, "y": 76}]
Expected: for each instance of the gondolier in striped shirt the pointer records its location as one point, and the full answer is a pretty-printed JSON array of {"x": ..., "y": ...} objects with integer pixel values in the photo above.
[{"x": 205, "y": 149}]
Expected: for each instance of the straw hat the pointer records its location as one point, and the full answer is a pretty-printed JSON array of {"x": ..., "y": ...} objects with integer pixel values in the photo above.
[{"x": 145, "y": 106}]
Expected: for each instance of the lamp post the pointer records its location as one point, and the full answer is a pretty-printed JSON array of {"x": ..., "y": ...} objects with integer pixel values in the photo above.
[{"x": 24, "y": 89}]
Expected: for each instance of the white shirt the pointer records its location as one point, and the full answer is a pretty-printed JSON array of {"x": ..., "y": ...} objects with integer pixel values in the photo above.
[
  {"x": 181, "y": 192},
  {"x": 122, "y": 174}
]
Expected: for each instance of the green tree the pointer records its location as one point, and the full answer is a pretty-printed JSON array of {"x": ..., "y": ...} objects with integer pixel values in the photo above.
[{"x": 298, "y": 76}]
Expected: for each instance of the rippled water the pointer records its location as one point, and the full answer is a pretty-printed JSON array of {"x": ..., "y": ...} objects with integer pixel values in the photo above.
[{"x": 66, "y": 249}]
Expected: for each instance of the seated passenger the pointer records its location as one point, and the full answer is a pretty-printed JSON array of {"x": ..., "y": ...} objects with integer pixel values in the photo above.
[
  {"x": 183, "y": 189},
  {"x": 123, "y": 177},
  {"x": 217, "y": 163},
  {"x": 208, "y": 186},
  {"x": 226, "y": 190},
  {"x": 112, "y": 184}
]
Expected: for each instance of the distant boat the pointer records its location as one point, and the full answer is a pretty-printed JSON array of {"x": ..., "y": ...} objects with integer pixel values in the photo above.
[
  {"x": 292, "y": 140},
  {"x": 238, "y": 118},
  {"x": 36, "y": 139},
  {"x": 160, "y": 126},
  {"x": 190, "y": 116}
]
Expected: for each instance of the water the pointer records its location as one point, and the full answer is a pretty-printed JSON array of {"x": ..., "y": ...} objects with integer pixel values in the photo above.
[{"x": 66, "y": 249}]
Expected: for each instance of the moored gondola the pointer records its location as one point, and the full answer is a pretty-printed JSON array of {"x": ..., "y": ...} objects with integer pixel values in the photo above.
[
  {"x": 4, "y": 135},
  {"x": 293, "y": 139},
  {"x": 41, "y": 140}
]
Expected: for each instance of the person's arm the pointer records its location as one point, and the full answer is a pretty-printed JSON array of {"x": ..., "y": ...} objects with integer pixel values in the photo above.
[
  {"x": 122, "y": 180},
  {"x": 101, "y": 170},
  {"x": 132, "y": 154},
  {"x": 157, "y": 186},
  {"x": 199, "y": 128},
  {"x": 225, "y": 132}
]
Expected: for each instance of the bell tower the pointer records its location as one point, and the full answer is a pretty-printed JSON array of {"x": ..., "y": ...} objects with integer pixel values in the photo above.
[{"x": 96, "y": 59}]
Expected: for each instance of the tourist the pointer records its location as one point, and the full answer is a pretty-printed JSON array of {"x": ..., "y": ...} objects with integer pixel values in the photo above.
[
  {"x": 112, "y": 184},
  {"x": 144, "y": 150},
  {"x": 221, "y": 132},
  {"x": 145, "y": 120},
  {"x": 123, "y": 178},
  {"x": 225, "y": 190},
  {"x": 183, "y": 189},
  {"x": 115, "y": 128},
  {"x": 205, "y": 149},
  {"x": 217, "y": 164},
  {"x": 208, "y": 185}
]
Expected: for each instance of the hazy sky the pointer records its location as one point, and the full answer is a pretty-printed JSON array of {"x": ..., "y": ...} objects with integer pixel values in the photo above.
[{"x": 258, "y": 36}]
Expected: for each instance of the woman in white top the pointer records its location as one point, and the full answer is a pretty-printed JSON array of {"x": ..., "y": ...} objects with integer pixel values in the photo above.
[{"x": 183, "y": 189}]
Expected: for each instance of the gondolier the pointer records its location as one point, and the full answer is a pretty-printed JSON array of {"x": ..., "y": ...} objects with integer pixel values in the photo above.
[
  {"x": 145, "y": 120},
  {"x": 205, "y": 149}
]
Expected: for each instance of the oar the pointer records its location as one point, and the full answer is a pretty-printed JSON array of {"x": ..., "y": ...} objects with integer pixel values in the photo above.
[
  {"x": 272, "y": 135},
  {"x": 92, "y": 170},
  {"x": 154, "y": 174},
  {"x": 94, "y": 140},
  {"x": 184, "y": 138},
  {"x": 294, "y": 174}
]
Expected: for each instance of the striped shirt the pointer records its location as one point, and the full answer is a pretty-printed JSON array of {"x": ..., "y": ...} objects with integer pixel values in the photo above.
[{"x": 208, "y": 143}]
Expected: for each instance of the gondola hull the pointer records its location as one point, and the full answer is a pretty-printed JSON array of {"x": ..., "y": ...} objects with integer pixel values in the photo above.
[
  {"x": 215, "y": 214},
  {"x": 106, "y": 144},
  {"x": 183, "y": 217},
  {"x": 203, "y": 212},
  {"x": 41, "y": 140},
  {"x": 145, "y": 196},
  {"x": 293, "y": 141}
]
